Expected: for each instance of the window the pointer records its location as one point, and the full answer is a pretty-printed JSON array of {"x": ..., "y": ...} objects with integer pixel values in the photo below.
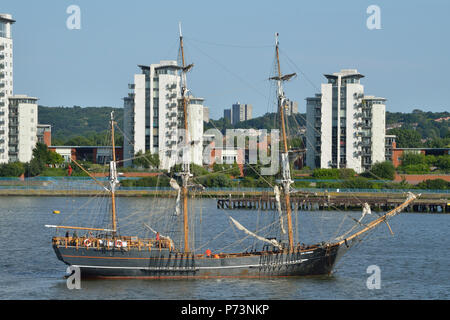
[{"x": 3, "y": 30}]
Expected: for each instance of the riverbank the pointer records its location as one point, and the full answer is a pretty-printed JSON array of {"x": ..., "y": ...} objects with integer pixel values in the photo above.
[
  {"x": 216, "y": 192},
  {"x": 265, "y": 200}
]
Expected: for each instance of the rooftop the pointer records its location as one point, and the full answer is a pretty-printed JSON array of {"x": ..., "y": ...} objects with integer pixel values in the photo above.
[
  {"x": 373, "y": 98},
  {"x": 345, "y": 73},
  {"x": 6, "y": 18},
  {"x": 22, "y": 96}
]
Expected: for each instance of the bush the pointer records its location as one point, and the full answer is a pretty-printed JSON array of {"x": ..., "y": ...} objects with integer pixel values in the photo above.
[
  {"x": 434, "y": 184},
  {"x": 326, "y": 173},
  {"x": 13, "y": 169},
  {"x": 215, "y": 180},
  {"x": 358, "y": 183},
  {"x": 414, "y": 168},
  {"x": 333, "y": 173},
  {"x": 156, "y": 181}
]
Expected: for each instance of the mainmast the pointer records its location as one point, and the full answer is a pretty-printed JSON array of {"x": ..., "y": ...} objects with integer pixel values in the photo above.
[
  {"x": 185, "y": 174},
  {"x": 285, "y": 169},
  {"x": 113, "y": 181}
]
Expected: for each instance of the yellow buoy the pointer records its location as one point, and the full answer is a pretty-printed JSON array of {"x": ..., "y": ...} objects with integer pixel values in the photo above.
[{"x": 56, "y": 212}]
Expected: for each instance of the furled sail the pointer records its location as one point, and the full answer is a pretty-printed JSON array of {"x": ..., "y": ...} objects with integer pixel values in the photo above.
[
  {"x": 365, "y": 210},
  {"x": 276, "y": 190},
  {"x": 242, "y": 228},
  {"x": 174, "y": 184},
  {"x": 113, "y": 175}
]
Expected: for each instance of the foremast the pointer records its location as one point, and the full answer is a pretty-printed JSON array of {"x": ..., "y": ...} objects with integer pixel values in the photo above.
[
  {"x": 113, "y": 181},
  {"x": 286, "y": 180},
  {"x": 185, "y": 173}
]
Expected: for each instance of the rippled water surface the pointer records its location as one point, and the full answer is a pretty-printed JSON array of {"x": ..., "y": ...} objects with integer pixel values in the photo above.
[{"x": 414, "y": 262}]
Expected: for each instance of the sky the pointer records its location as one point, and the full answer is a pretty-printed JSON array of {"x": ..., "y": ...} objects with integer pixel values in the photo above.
[{"x": 231, "y": 43}]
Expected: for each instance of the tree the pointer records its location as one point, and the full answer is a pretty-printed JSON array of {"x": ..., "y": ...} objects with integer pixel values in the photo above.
[
  {"x": 54, "y": 158},
  {"x": 409, "y": 158},
  {"x": 383, "y": 170},
  {"x": 443, "y": 162},
  {"x": 146, "y": 160},
  {"x": 406, "y": 138}
]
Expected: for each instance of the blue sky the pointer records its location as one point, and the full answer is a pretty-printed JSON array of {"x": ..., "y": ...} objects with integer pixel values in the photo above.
[{"x": 231, "y": 44}]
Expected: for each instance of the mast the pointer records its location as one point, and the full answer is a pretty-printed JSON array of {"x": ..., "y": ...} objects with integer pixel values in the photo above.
[
  {"x": 185, "y": 174},
  {"x": 113, "y": 178},
  {"x": 286, "y": 174}
]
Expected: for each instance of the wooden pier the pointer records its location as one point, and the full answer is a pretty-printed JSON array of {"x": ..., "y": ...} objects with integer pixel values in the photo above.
[{"x": 307, "y": 203}]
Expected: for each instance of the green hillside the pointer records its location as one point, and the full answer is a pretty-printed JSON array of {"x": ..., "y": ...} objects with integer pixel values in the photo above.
[
  {"x": 80, "y": 126},
  {"x": 89, "y": 125}
]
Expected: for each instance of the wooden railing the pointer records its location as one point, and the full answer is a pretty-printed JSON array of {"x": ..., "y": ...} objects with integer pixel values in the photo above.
[{"x": 123, "y": 243}]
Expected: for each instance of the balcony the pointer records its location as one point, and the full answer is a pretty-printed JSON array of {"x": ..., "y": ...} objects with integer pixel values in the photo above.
[
  {"x": 170, "y": 143},
  {"x": 171, "y": 86},
  {"x": 171, "y": 95}
]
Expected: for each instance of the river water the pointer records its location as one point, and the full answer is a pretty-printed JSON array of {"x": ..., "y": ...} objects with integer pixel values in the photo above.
[{"x": 414, "y": 263}]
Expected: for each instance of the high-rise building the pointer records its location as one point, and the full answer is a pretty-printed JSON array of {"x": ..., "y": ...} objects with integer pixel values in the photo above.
[
  {"x": 6, "y": 80},
  {"x": 205, "y": 114},
  {"x": 345, "y": 129},
  {"x": 18, "y": 113},
  {"x": 241, "y": 112},
  {"x": 152, "y": 115},
  {"x": 22, "y": 127},
  {"x": 228, "y": 115},
  {"x": 291, "y": 108}
]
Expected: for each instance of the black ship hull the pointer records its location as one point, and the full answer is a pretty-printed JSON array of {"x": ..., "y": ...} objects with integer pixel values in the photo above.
[{"x": 166, "y": 264}]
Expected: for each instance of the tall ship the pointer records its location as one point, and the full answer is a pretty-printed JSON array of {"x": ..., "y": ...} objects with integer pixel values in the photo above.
[{"x": 107, "y": 253}]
